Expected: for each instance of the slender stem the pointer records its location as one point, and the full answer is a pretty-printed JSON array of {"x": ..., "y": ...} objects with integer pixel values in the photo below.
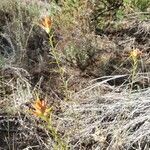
[
  {"x": 134, "y": 70},
  {"x": 53, "y": 49}
]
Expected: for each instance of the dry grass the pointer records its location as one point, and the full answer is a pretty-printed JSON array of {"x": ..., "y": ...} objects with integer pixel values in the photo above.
[
  {"x": 85, "y": 76},
  {"x": 112, "y": 121}
]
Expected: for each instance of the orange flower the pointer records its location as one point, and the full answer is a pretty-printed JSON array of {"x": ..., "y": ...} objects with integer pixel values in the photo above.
[
  {"x": 46, "y": 23},
  {"x": 135, "y": 53},
  {"x": 40, "y": 108}
]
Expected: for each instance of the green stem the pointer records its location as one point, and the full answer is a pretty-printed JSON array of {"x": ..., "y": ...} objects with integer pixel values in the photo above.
[
  {"x": 134, "y": 71},
  {"x": 58, "y": 63}
]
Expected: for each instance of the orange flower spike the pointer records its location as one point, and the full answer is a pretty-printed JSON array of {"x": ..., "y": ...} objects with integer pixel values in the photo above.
[
  {"x": 39, "y": 105},
  {"x": 46, "y": 24},
  {"x": 135, "y": 53},
  {"x": 40, "y": 108}
]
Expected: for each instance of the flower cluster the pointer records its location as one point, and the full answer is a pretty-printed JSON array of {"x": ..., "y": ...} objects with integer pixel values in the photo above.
[
  {"x": 135, "y": 53},
  {"x": 46, "y": 23},
  {"x": 40, "y": 108}
]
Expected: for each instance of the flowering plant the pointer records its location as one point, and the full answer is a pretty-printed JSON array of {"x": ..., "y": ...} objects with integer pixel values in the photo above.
[{"x": 46, "y": 23}]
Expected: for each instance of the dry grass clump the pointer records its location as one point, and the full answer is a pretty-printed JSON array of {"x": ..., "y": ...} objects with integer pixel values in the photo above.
[
  {"x": 113, "y": 121},
  {"x": 15, "y": 89}
]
